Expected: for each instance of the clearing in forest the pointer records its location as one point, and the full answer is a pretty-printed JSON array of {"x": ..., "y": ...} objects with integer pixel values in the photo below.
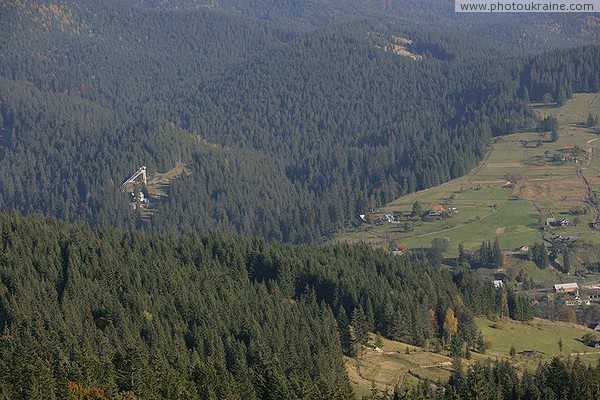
[
  {"x": 398, "y": 362},
  {"x": 158, "y": 183},
  {"x": 525, "y": 179}
]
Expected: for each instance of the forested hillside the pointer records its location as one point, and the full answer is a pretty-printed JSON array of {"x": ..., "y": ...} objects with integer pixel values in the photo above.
[
  {"x": 112, "y": 314},
  {"x": 225, "y": 317},
  {"x": 289, "y": 120},
  {"x": 288, "y": 133}
]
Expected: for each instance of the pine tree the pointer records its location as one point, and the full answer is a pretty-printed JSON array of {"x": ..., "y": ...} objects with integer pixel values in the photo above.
[
  {"x": 560, "y": 345},
  {"x": 416, "y": 209},
  {"x": 503, "y": 302},
  {"x": 590, "y": 121},
  {"x": 477, "y": 386},
  {"x": 497, "y": 254},
  {"x": 348, "y": 346},
  {"x": 566, "y": 261},
  {"x": 360, "y": 329},
  {"x": 462, "y": 257},
  {"x": 457, "y": 377},
  {"x": 554, "y": 135}
]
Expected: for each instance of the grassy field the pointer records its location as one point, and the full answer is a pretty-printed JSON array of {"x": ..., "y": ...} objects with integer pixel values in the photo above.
[
  {"x": 539, "y": 335},
  {"x": 395, "y": 365},
  {"x": 488, "y": 207}
]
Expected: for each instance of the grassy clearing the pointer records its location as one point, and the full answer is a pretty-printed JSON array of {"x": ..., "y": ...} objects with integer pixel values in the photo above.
[
  {"x": 539, "y": 335},
  {"x": 489, "y": 208},
  {"x": 158, "y": 184},
  {"x": 394, "y": 364}
]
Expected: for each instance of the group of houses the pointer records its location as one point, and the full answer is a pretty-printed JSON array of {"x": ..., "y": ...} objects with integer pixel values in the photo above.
[
  {"x": 436, "y": 212},
  {"x": 380, "y": 219},
  {"x": 570, "y": 153},
  {"x": 573, "y": 290},
  {"x": 567, "y": 153}
]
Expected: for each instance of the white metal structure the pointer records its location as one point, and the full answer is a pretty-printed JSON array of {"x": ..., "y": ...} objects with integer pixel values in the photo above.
[{"x": 132, "y": 178}]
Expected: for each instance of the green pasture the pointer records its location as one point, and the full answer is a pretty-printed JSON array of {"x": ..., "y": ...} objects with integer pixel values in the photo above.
[
  {"x": 541, "y": 336},
  {"x": 489, "y": 207}
]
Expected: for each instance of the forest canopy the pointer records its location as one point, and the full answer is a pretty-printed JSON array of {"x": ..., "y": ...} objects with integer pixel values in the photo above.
[{"x": 289, "y": 134}]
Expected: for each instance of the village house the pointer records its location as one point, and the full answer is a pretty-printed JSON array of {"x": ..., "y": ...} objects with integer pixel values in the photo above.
[
  {"x": 566, "y": 157},
  {"x": 570, "y": 288},
  {"x": 439, "y": 211},
  {"x": 436, "y": 211},
  {"x": 565, "y": 222},
  {"x": 553, "y": 222},
  {"x": 392, "y": 219},
  {"x": 564, "y": 239}
]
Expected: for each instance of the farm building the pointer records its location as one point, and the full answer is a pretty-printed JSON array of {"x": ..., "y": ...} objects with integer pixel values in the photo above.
[
  {"x": 497, "y": 283},
  {"x": 567, "y": 157},
  {"x": 438, "y": 208},
  {"x": 572, "y": 288},
  {"x": 553, "y": 222}
]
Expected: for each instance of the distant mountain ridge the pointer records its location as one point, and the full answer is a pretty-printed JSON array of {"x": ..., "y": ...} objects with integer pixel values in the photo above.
[{"x": 530, "y": 30}]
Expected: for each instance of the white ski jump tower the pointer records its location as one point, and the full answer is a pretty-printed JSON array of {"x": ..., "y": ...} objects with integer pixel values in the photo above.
[{"x": 132, "y": 178}]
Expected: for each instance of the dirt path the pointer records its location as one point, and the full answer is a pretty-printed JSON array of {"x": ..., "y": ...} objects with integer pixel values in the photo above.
[
  {"x": 594, "y": 101},
  {"x": 589, "y": 194},
  {"x": 451, "y": 229}
]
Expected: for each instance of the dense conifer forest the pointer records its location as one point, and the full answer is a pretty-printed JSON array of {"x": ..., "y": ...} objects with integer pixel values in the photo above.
[
  {"x": 114, "y": 314},
  {"x": 289, "y": 134},
  {"x": 213, "y": 316},
  {"x": 291, "y": 119},
  {"x": 210, "y": 316}
]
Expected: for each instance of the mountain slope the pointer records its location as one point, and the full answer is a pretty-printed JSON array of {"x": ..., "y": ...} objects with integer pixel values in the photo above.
[
  {"x": 288, "y": 134},
  {"x": 103, "y": 310}
]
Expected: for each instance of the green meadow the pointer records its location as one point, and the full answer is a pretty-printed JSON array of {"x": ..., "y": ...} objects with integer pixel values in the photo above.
[
  {"x": 399, "y": 362},
  {"x": 509, "y": 195}
]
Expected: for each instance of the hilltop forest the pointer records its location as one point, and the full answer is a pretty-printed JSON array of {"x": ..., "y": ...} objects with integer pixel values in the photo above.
[{"x": 289, "y": 133}]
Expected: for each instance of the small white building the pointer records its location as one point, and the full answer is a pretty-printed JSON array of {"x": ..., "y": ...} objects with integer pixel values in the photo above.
[{"x": 497, "y": 283}]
